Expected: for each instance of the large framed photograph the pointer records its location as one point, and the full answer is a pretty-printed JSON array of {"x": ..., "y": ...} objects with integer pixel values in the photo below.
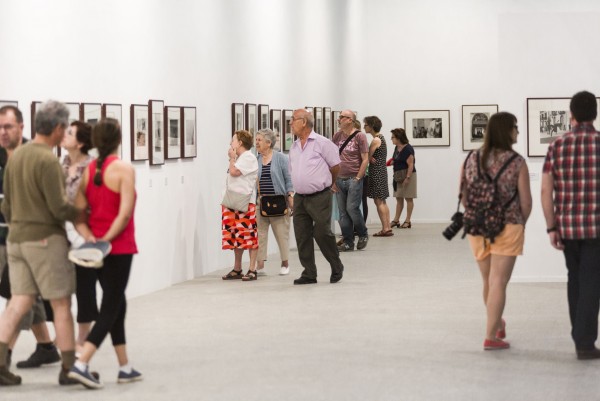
[
  {"x": 139, "y": 126},
  {"x": 156, "y": 111},
  {"x": 91, "y": 113},
  {"x": 474, "y": 120},
  {"x": 172, "y": 132},
  {"x": 237, "y": 117},
  {"x": 251, "y": 122},
  {"x": 263, "y": 116},
  {"x": 427, "y": 127},
  {"x": 547, "y": 119},
  {"x": 188, "y": 132},
  {"x": 327, "y": 126},
  {"x": 335, "y": 116},
  {"x": 287, "y": 136},
  {"x": 74, "y": 115},
  {"x": 276, "y": 127}
]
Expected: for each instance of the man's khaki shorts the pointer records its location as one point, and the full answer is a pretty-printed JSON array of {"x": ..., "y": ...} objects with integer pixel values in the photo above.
[
  {"x": 508, "y": 243},
  {"x": 41, "y": 267}
]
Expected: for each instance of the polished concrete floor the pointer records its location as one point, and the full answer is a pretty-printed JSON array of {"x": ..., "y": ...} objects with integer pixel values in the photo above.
[{"x": 405, "y": 323}]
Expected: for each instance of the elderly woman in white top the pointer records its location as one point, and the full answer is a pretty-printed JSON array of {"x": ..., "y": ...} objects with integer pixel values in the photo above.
[
  {"x": 239, "y": 228},
  {"x": 274, "y": 179}
]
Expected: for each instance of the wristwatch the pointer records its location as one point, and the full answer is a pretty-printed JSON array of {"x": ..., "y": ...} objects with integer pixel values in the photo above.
[{"x": 553, "y": 228}]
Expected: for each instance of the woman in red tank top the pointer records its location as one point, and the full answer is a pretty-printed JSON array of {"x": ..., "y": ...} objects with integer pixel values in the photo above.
[{"x": 108, "y": 189}]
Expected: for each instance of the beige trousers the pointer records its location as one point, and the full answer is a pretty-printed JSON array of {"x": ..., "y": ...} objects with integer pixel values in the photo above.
[{"x": 281, "y": 229}]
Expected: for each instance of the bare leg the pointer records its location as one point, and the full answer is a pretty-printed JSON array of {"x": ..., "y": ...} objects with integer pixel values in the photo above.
[
  {"x": 121, "y": 351},
  {"x": 18, "y": 306},
  {"x": 410, "y": 204},
  {"x": 384, "y": 214},
  {"x": 399, "y": 207},
  {"x": 484, "y": 269},
  {"x": 88, "y": 352},
  {"x": 253, "y": 255},
  {"x": 63, "y": 324},
  {"x": 82, "y": 333},
  {"x": 40, "y": 331},
  {"x": 501, "y": 268},
  {"x": 238, "y": 259}
]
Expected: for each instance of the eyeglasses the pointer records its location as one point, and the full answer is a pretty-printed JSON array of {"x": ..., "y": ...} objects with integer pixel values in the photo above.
[
  {"x": 296, "y": 118},
  {"x": 516, "y": 127},
  {"x": 366, "y": 125},
  {"x": 340, "y": 117},
  {"x": 7, "y": 127}
]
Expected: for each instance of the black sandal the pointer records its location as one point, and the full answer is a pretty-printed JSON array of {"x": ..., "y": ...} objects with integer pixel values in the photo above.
[
  {"x": 394, "y": 223},
  {"x": 250, "y": 276},
  {"x": 406, "y": 224},
  {"x": 233, "y": 275}
]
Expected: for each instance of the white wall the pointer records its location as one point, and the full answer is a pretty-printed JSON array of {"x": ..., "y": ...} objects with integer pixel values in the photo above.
[
  {"x": 441, "y": 55},
  {"x": 379, "y": 57}
]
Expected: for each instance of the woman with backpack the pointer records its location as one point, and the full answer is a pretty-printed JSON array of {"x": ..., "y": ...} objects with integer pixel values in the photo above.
[{"x": 497, "y": 199}]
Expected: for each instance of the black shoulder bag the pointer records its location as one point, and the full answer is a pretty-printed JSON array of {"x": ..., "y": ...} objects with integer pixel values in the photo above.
[{"x": 272, "y": 205}]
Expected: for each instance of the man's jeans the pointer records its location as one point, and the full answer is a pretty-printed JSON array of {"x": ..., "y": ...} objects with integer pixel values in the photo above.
[{"x": 349, "y": 198}]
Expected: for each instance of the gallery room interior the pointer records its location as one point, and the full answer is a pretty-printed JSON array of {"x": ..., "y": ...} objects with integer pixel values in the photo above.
[{"x": 407, "y": 321}]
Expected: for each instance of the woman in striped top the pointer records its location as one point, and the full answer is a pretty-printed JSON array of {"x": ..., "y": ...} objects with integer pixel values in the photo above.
[{"x": 274, "y": 179}]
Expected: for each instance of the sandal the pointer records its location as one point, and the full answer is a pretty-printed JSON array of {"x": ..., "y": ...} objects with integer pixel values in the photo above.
[
  {"x": 406, "y": 224},
  {"x": 250, "y": 276},
  {"x": 395, "y": 223},
  {"x": 233, "y": 275},
  {"x": 382, "y": 233}
]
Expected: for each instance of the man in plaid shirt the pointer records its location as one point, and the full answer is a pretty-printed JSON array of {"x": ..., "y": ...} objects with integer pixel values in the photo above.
[{"x": 571, "y": 203}]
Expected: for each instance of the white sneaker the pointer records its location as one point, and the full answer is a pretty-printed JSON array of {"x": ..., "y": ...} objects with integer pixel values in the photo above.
[{"x": 284, "y": 271}]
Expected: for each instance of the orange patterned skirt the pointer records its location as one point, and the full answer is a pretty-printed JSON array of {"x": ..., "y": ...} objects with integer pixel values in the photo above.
[{"x": 239, "y": 228}]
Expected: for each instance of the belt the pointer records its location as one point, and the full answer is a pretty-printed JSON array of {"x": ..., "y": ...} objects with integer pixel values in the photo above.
[{"x": 314, "y": 193}]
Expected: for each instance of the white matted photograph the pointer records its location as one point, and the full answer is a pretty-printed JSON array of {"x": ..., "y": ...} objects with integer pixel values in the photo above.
[
  {"x": 189, "y": 139},
  {"x": 276, "y": 127},
  {"x": 427, "y": 127},
  {"x": 156, "y": 144},
  {"x": 547, "y": 119},
  {"x": 139, "y": 132},
  {"x": 474, "y": 121},
  {"x": 172, "y": 132}
]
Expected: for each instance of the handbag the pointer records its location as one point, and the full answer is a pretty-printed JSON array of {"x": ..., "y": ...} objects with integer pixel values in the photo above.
[
  {"x": 400, "y": 175},
  {"x": 272, "y": 205},
  {"x": 235, "y": 200}
]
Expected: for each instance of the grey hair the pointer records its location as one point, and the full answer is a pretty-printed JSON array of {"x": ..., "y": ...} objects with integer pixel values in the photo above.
[
  {"x": 310, "y": 119},
  {"x": 269, "y": 136},
  {"x": 50, "y": 115}
]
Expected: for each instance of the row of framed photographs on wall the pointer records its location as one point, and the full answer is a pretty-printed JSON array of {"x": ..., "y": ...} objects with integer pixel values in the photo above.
[
  {"x": 157, "y": 132},
  {"x": 547, "y": 119},
  {"x": 160, "y": 132},
  {"x": 252, "y": 118}
]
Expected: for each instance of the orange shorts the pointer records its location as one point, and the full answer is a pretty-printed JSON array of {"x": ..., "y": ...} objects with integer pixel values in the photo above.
[{"x": 508, "y": 243}]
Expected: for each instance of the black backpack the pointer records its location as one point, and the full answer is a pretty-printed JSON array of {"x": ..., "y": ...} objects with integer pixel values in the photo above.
[{"x": 484, "y": 213}]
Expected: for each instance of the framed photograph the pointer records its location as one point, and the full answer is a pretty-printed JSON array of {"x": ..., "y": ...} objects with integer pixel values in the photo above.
[
  {"x": 547, "y": 119},
  {"x": 335, "y": 116},
  {"x": 427, "y": 127},
  {"x": 251, "y": 122},
  {"x": 74, "y": 115},
  {"x": 172, "y": 132},
  {"x": 327, "y": 126},
  {"x": 114, "y": 111},
  {"x": 111, "y": 110},
  {"x": 237, "y": 117},
  {"x": 276, "y": 127},
  {"x": 91, "y": 113},
  {"x": 288, "y": 138},
  {"x": 188, "y": 132},
  {"x": 139, "y": 126},
  {"x": 474, "y": 120},
  {"x": 263, "y": 116},
  {"x": 156, "y": 111},
  {"x": 318, "y": 112},
  {"x": 9, "y": 103}
]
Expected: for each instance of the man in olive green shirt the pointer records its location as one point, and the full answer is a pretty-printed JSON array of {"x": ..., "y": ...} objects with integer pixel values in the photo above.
[{"x": 35, "y": 207}]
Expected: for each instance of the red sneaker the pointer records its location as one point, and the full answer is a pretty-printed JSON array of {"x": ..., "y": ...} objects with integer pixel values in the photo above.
[
  {"x": 501, "y": 333},
  {"x": 490, "y": 345}
]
